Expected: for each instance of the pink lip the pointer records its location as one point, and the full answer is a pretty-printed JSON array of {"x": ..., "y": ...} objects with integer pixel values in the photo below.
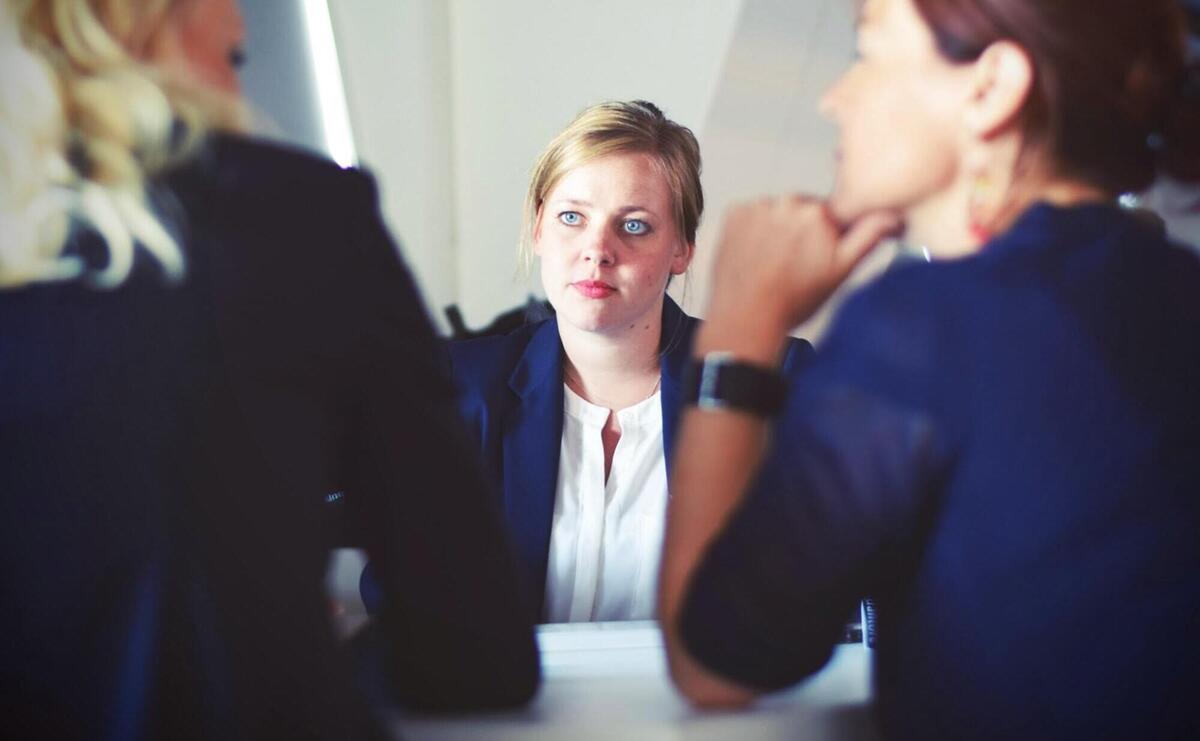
[{"x": 594, "y": 288}]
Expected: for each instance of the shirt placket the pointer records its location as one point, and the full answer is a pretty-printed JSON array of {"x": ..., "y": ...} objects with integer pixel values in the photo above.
[{"x": 591, "y": 519}]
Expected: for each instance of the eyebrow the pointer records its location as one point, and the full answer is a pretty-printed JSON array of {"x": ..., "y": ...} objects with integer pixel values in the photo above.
[{"x": 622, "y": 210}]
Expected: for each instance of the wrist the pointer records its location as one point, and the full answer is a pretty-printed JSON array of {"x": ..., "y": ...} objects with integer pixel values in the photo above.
[
  {"x": 719, "y": 380},
  {"x": 746, "y": 337}
]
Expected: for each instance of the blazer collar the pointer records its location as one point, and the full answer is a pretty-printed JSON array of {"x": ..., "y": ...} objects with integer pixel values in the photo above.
[
  {"x": 675, "y": 348},
  {"x": 541, "y": 363},
  {"x": 533, "y": 434},
  {"x": 532, "y": 439}
]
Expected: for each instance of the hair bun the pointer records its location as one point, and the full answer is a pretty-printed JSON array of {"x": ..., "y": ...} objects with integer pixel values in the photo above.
[{"x": 650, "y": 108}]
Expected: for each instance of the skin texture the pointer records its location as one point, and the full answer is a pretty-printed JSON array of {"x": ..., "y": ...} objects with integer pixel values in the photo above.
[
  {"x": 609, "y": 220},
  {"x": 203, "y": 39},
  {"x": 915, "y": 133},
  {"x": 896, "y": 91}
]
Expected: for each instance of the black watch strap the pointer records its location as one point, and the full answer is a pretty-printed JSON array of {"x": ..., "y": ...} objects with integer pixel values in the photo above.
[{"x": 718, "y": 381}]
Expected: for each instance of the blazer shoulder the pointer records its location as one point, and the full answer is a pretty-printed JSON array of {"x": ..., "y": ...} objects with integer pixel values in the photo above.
[
  {"x": 484, "y": 363},
  {"x": 262, "y": 169}
]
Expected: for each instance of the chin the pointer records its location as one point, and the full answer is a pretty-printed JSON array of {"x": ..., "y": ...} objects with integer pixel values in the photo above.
[
  {"x": 586, "y": 318},
  {"x": 844, "y": 207}
]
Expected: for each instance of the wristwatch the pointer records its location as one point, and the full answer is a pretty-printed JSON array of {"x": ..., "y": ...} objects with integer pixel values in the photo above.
[{"x": 718, "y": 381}]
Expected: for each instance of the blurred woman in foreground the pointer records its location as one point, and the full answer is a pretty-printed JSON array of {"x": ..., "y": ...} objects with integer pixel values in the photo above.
[
  {"x": 999, "y": 446},
  {"x": 201, "y": 336}
]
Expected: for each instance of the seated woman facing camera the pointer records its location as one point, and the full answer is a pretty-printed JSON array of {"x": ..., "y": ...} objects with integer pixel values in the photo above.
[
  {"x": 1001, "y": 445},
  {"x": 575, "y": 415}
]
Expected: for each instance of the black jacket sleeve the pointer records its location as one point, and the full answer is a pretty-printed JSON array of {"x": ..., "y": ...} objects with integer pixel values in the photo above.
[{"x": 453, "y": 633}]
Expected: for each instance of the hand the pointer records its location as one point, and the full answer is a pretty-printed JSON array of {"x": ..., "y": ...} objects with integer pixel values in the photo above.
[{"x": 780, "y": 258}]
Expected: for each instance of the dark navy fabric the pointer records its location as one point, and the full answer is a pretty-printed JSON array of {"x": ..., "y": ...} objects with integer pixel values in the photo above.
[
  {"x": 166, "y": 450},
  {"x": 511, "y": 396},
  {"x": 1004, "y": 450}
]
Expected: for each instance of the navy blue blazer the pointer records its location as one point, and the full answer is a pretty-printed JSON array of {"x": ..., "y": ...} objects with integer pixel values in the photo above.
[
  {"x": 511, "y": 396},
  {"x": 1004, "y": 450},
  {"x": 165, "y": 450}
]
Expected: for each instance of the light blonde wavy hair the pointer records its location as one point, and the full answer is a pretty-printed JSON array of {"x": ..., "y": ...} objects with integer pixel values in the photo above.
[
  {"x": 84, "y": 123},
  {"x": 620, "y": 127}
]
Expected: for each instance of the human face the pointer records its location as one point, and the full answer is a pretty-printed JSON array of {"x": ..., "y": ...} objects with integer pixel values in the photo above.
[
  {"x": 608, "y": 244},
  {"x": 897, "y": 110},
  {"x": 205, "y": 38}
]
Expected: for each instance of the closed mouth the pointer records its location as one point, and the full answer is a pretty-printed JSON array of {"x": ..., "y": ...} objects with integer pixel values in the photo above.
[{"x": 593, "y": 288}]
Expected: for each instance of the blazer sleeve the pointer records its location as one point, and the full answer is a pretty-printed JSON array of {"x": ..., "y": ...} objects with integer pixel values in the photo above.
[
  {"x": 854, "y": 458},
  {"x": 453, "y": 636}
]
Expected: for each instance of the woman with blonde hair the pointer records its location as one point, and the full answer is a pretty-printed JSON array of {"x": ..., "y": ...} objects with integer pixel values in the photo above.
[
  {"x": 201, "y": 336},
  {"x": 999, "y": 445},
  {"x": 575, "y": 415}
]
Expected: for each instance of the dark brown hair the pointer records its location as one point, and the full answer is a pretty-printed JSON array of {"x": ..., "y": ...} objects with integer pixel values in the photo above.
[{"x": 1113, "y": 102}]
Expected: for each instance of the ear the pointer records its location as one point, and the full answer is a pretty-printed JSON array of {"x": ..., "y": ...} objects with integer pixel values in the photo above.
[
  {"x": 1002, "y": 80},
  {"x": 682, "y": 257}
]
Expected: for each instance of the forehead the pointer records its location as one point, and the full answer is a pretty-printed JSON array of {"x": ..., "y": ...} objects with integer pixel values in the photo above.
[
  {"x": 895, "y": 24},
  {"x": 633, "y": 178}
]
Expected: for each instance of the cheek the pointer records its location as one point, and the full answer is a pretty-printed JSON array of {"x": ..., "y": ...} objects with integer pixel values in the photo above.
[
  {"x": 896, "y": 151},
  {"x": 555, "y": 262},
  {"x": 207, "y": 56},
  {"x": 655, "y": 270}
]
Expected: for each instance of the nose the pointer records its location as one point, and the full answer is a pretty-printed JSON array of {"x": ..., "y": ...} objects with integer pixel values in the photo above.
[
  {"x": 599, "y": 248},
  {"x": 831, "y": 100}
]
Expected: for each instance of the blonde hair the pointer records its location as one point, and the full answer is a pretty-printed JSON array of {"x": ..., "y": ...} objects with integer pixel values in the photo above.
[
  {"x": 83, "y": 125},
  {"x": 619, "y": 127}
]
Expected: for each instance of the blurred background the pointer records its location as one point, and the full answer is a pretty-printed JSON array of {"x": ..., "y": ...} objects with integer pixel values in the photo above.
[{"x": 448, "y": 102}]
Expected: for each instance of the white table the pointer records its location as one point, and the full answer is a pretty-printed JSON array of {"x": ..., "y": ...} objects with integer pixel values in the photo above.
[{"x": 609, "y": 681}]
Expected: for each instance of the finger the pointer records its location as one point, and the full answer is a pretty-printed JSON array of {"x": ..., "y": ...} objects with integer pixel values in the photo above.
[{"x": 863, "y": 236}]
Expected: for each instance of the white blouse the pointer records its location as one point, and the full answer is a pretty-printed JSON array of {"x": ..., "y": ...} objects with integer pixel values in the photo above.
[{"x": 606, "y": 539}]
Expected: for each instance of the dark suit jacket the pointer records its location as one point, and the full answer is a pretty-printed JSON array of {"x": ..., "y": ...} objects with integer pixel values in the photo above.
[
  {"x": 1005, "y": 451},
  {"x": 166, "y": 452},
  {"x": 512, "y": 399}
]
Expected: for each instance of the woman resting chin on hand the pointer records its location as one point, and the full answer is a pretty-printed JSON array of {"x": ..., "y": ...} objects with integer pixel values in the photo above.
[{"x": 999, "y": 445}]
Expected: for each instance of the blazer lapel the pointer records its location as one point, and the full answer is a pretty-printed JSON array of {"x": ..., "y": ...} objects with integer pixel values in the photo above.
[
  {"x": 675, "y": 348},
  {"x": 532, "y": 441}
]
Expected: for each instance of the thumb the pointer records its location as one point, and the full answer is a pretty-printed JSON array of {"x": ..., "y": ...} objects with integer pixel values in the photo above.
[{"x": 863, "y": 236}]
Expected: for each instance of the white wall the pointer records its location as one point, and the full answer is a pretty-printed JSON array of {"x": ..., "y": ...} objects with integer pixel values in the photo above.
[
  {"x": 452, "y": 100},
  {"x": 523, "y": 68},
  {"x": 396, "y": 70}
]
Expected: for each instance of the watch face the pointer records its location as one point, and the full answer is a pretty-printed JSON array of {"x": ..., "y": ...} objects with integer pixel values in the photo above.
[{"x": 720, "y": 382}]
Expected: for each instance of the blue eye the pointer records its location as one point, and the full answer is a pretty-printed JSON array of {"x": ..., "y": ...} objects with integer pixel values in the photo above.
[
  {"x": 635, "y": 226},
  {"x": 570, "y": 218}
]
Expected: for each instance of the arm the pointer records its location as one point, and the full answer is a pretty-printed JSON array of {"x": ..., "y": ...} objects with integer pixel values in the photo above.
[
  {"x": 455, "y": 635},
  {"x": 722, "y": 450},
  {"x": 799, "y": 259}
]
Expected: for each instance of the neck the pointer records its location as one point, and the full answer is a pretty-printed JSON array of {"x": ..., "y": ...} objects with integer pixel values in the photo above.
[
  {"x": 613, "y": 370},
  {"x": 941, "y": 223}
]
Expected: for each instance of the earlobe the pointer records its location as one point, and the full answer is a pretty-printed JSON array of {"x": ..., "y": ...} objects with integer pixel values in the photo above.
[
  {"x": 1003, "y": 81},
  {"x": 683, "y": 258}
]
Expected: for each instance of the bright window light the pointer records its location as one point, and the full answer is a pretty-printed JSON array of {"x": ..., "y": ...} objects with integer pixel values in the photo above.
[{"x": 331, "y": 93}]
